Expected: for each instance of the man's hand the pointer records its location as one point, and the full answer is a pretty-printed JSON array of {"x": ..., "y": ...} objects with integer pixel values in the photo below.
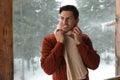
[
  {"x": 59, "y": 35},
  {"x": 77, "y": 35}
]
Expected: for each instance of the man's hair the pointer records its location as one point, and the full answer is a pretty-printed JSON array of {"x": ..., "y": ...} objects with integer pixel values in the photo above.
[{"x": 70, "y": 8}]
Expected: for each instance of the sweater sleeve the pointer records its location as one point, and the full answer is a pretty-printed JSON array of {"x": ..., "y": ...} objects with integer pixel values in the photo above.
[
  {"x": 90, "y": 57},
  {"x": 51, "y": 56}
]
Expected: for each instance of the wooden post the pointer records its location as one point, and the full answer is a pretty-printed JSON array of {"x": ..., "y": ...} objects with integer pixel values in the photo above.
[
  {"x": 6, "y": 40},
  {"x": 117, "y": 37}
]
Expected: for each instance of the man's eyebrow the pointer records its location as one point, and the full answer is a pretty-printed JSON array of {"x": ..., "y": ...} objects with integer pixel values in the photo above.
[
  {"x": 70, "y": 16},
  {"x": 67, "y": 16}
]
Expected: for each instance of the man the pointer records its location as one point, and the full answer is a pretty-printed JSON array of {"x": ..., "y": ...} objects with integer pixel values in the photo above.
[{"x": 68, "y": 53}]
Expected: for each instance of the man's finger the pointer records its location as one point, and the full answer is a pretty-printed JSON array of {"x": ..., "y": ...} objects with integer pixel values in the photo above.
[{"x": 78, "y": 30}]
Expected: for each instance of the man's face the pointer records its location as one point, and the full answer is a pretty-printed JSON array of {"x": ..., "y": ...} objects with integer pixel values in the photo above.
[{"x": 67, "y": 21}]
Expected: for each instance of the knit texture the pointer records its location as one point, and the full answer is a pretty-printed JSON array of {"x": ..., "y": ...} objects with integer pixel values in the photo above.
[{"x": 75, "y": 67}]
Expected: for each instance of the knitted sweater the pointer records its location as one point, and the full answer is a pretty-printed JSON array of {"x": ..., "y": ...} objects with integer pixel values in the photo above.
[{"x": 52, "y": 60}]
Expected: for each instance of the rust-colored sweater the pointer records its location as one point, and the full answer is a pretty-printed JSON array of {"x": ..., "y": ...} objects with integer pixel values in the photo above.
[{"x": 52, "y": 60}]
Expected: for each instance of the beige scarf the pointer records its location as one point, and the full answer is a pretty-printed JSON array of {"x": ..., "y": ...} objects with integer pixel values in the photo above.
[{"x": 74, "y": 64}]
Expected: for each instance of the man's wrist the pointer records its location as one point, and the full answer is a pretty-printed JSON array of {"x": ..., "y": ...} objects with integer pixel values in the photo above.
[
  {"x": 61, "y": 41},
  {"x": 79, "y": 42}
]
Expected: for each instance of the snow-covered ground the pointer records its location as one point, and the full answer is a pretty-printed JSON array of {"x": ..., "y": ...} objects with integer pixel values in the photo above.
[{"x": 102, "y": 72}]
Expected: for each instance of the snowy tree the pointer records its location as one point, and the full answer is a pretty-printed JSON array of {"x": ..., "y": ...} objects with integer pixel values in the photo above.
[{"x": 92, "y": 14}]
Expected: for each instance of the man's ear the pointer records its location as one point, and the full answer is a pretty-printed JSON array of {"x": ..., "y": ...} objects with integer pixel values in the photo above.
[{"x": 77, "y": 20}]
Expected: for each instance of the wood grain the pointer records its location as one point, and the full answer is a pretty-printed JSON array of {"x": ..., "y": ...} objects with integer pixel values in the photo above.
[
  {"x": 6, "y": 40},
  {"x": 117, "y": 37}
]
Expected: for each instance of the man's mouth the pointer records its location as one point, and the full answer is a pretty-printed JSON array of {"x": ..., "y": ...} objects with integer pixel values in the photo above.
[{"x": 65, "y": 27}]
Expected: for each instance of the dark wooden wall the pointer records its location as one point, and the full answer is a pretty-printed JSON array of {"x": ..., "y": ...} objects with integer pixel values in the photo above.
[{"x": 6, "y": 40}]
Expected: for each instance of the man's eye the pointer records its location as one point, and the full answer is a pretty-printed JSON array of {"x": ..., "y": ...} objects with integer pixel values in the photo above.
[
  {"x": 61, "y": 18},
  {"x": 69, "y": 18}
]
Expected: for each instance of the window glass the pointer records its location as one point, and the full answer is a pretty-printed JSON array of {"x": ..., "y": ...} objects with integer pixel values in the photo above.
[{"x": 33, "y": 19}]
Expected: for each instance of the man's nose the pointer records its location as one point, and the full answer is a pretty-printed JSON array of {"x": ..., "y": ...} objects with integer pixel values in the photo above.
[{"x": 65, "y": 21}]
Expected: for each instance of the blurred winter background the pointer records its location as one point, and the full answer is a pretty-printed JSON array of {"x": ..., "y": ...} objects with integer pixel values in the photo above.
[{"x": 33, "y": 19}]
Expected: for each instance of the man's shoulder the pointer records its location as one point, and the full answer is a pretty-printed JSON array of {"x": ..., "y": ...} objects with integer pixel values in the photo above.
[
  {"x": 85, "y": 36},
  {"x": 49, "y": 36}
]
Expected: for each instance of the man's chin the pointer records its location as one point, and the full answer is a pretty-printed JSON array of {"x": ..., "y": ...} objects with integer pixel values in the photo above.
[{"x": 65, "y": 31}]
